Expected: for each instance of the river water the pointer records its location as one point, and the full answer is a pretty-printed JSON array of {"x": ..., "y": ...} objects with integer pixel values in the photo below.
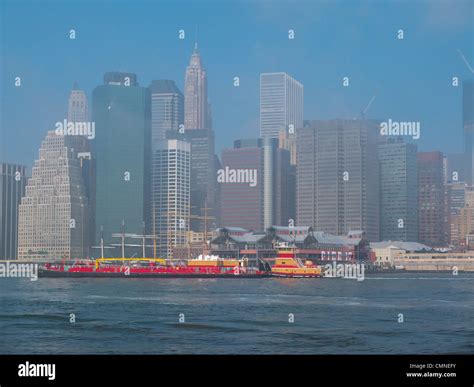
[{"x": 386, "y": 313}]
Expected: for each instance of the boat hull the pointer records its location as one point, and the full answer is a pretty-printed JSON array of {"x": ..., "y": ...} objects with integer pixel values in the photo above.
[
  {"x": 281, "y": 275},
  {"x": 95, "y": 274}
]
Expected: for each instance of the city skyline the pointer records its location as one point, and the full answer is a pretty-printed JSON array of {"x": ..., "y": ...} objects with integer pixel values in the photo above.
[
  {"x": 325, "y": 97},
  {"x": 326, "y": 177},
  {"x": 236, "y": 177},
  {"x": 122, "y": 97}
]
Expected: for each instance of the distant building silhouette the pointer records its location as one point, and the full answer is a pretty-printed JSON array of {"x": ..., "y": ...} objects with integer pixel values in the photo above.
[
  {"x": 12, "y": 188},
  {"x": 468, "y": 124},
  {"x": 77, "y": 106}
]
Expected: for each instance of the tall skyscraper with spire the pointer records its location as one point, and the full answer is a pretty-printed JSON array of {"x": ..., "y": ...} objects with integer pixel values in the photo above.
[
  {"x": 77, "y": 106},
  {"x": 78, "y": 112},
  {"x": 196, "y": 106},
  {"x": 199, "y": 134}
]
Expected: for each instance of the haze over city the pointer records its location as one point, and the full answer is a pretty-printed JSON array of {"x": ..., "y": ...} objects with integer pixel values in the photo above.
[
  {"x": 411, "y": 78},
  {"x": 249, "y": 177}
]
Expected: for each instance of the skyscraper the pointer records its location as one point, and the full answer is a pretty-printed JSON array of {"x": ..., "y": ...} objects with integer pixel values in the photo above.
[
  {"x": 242, "y": 204},
  {"x": 171, "y": 194},
  {"x": 431, "y": 199},
  {"x": 78, "y": 111},
  {"x": 399, "y": 190},
  {"x": 12, "y": 188},
  {"x": 54, "y": 213},
  {"x": 457, "y": 167},
  {"x": 167, "y": 109},
  {"x": 284, "y": 186},
  {"x": 122, "y": 149},
  {"x": 77, "y": 106},
  {"x": 281, "y": 105},
  {"x": 338, "y": 177},
  {"x": 203, "y": 175},
  {"x": 462, "y": 224},
  {"x": 199, "y": 134},
  {"x": 468, "y": 124},
  {"x": 196, "y": 105},
  {"x": 456, "y": 192},
  {"x": 288, "y": 141},
  {"x": 265, "y": 196}
]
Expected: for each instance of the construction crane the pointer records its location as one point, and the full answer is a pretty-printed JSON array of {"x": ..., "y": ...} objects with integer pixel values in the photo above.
[
  {"x": 363, "y": 112},
  {"x": 187, "y": 233},
  {"x": 368, "y": 107},
  {"x": 468, "y": 65}
]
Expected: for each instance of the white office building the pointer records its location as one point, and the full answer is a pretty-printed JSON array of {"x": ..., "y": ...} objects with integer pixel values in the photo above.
[
  {"x": 171, "y": 194},
  {"x": 281, "y": 104},
  {"x": 54, "y": 213}
]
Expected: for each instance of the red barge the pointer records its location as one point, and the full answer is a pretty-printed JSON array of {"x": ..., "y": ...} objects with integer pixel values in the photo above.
[{"x": 203, "y": 267}]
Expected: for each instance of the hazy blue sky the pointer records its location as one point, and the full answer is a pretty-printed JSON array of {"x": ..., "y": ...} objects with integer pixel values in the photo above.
[{"x": 411, "y": 77}]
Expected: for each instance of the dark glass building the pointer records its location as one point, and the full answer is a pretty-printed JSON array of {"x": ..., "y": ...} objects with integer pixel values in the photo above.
[
  {"x": 398, "y": 190},
  {"x": 12, "y": 188},
  {"x": 122, "y": 150},
  {"x": 431, "y": 199}
]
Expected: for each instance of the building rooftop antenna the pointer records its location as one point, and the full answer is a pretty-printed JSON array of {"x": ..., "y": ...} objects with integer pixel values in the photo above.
[{"x": 196, "y": 40}]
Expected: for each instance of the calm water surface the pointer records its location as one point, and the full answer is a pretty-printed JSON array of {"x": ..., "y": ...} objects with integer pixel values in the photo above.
[{"x": 249, "y": 316}]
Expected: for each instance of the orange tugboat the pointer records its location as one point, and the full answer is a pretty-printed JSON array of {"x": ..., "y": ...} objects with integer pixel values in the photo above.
[{"x": 288, "y": 265}]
